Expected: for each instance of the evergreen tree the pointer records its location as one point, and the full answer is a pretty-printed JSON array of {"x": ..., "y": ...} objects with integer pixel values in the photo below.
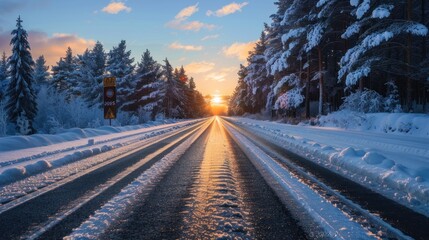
[
  {"x": 41, "y": 73},
  {"x": 64, "y": 78},
  {"x": 186, "y": 92},
  {"x": 149, "y": 87},
  {"x": 183, "y": 78},
  {"x": 120, "y": 65},
  {"x": 174, "y": 98},
  {"x": 21, "y": 96},
  {"x": 3, "y": 76},
  {"x": 85, "y": 75},
  {"x": 238, "y": 104},
  {"x": 91, "y": 73},
  {"x": 257, "y": 78},
  {"x": 197, "y": 105},
  {"x": 382, "y": 30},
  {"x": 274, "y": 47},
  {"x": 192, "y": 84}
]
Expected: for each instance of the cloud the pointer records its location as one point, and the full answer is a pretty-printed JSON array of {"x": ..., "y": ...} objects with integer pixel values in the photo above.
[
  {"x": 210, "y": 37},
  {"x": 187, "y": 12},
  {"x": 199, "y": 67},
  {"x": 221, "y": 75},
  {"x": 239, "y": 50},
  {"x": 178, "y": 46},
  {"x": 216, "y": 76},
  {"x": 227, "y": 10},
  {"x": 190, "y": 26},
  {"x": 116, "y": 7},
  {"x": 52, "y": 47},
  {"x": 180, "y": 21}
]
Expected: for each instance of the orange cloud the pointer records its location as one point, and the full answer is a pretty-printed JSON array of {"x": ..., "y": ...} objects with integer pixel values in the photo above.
[
  {"x": 199, "y": 67},
  {"x": 222, "y": 75},
  {"x": 187, "y": 12},
  {"x": 52, "y": 47},
  {"x": 227, "y": 10},
  {"x": 178, "y": 46},
  {"x": 239, "y": 50},
  {"x": 180, "y": 21},
  {"x": 189, "y": 26},
  {"x": 116, "y": 7}
]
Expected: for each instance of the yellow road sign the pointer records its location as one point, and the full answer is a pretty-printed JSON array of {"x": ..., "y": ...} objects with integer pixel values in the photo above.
[
  {"x": 110, "y": 114},
  {"x": 109, "y": 82}
]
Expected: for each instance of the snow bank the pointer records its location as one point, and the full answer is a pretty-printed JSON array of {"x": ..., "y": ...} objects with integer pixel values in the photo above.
[
  {"x": 25, "y": 160},
  {"x": 11, "y": 143},
  {"x": 397, "y": 123},
  {"x": 320, "y": 217},
  {"x": 396, "y": 166}
]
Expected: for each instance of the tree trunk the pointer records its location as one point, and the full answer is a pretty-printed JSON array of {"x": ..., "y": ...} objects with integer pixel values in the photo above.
[
  {"x": 307, "y": 91},
  {"x": 361, "y": 84},
  {"x": 319, "y": 51},
  {"x": 409, "y": 45},
  {"x": 424, "y": 49}
]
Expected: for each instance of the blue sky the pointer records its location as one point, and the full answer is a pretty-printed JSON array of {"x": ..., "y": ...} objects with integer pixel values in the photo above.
[{"x": 209, "y": 37}]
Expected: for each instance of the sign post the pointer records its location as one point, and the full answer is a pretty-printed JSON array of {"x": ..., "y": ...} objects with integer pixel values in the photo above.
[{"x": 109, "y": 84}]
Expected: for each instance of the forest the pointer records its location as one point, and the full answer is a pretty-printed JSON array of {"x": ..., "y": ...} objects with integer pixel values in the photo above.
[
  {"x": 320, "y": 56},
  {"x": 37, "y": 99}
]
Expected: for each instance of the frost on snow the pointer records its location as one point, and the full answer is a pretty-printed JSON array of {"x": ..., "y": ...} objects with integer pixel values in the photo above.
[
  {"x": 355, "y": 56},
  {"x": 293, "y": 33},
  {"x": 382, "y": 11},
  {"x": 351, "y": 30},
  {"x": 290, "y": 99},
  {"x": 314, "y": 36},
  {"x": 362, "y": 8}
]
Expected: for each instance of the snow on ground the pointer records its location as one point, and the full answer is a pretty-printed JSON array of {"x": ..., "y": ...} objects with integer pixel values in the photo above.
[
  {"x": 396, "y": 165},
  {"x": 396, "y": 123},
  {"x": 23, "y": 156},
  {"x": 332, "y": 221}
]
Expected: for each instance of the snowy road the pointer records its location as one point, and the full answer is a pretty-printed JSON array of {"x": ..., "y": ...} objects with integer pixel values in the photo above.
[{"x": 216, "y": 178}]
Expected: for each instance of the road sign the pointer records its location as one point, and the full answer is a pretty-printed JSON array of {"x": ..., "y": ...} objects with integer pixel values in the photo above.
[{"x": 109, "y": 84}]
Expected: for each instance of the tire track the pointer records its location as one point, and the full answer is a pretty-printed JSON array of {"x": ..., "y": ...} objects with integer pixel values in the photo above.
[{"x": 215, "y": 207}]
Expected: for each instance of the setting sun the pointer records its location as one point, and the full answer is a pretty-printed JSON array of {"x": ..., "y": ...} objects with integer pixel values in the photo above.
[{"x": 217, "y": 100}]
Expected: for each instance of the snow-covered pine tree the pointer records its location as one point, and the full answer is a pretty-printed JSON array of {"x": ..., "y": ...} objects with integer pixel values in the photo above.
[
  {"x": 238, "y": 103},
  {"x": 21, "y": 96},
  {"x": 391, "y": 101},
  {"x": 84, "y": 74},
  {"x": 120, "y": 65},
  {"x": 288, "y": 68},
  {"x": 383, "y": 36},
  {"x": 3, "y": 76},
  {"x": 64, "y": 78},
  {"x": 92, "y": 68},
  {"x": 274, "y": 50},
  {"x": 148, "y": 93},
  {"x": 174, "y": 97},
  {"x": 257, "y": 78},
  {"x": 41, "y": 73}
]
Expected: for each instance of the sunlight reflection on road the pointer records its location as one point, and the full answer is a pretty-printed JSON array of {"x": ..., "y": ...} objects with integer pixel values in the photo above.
[{"x": 216, "y": 206}]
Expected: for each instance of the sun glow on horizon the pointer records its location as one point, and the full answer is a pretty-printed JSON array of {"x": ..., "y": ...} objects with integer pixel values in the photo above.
[
  {"x": 218, "y": 104},
  {"x": 217, "y": 100}
]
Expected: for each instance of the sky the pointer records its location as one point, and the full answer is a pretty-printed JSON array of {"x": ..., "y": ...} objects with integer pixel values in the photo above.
[{"x": 209, "y": 38}]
